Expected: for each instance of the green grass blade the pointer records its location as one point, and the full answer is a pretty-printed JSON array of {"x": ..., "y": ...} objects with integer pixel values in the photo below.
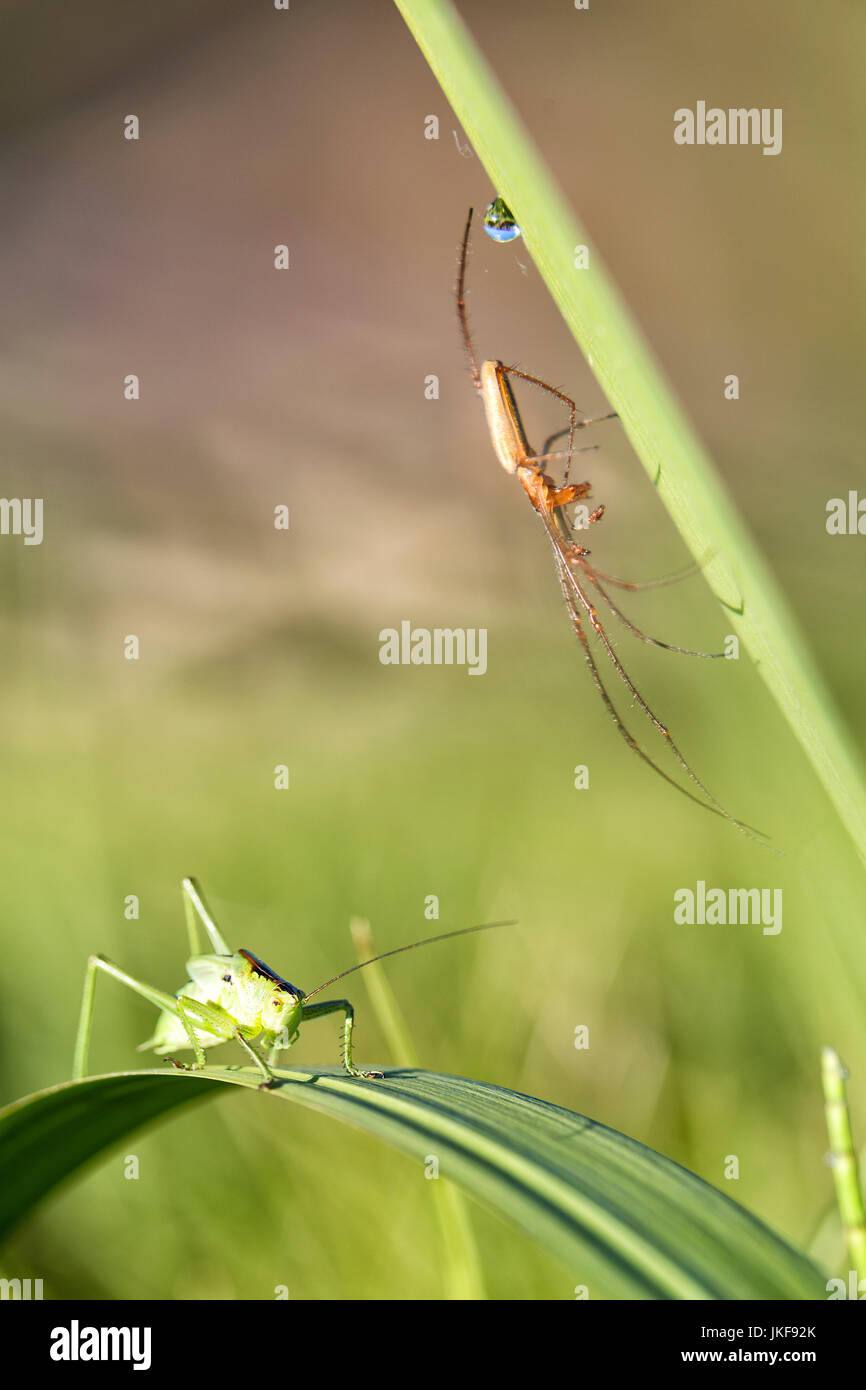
[
  {"x": 47, "y": 1136},
  {"x": 462, "y": 1273},
  {"x": 623, "y": 1218},
  {"x": 843, "y": 1159},
  {"x": 634, "y": 384}
]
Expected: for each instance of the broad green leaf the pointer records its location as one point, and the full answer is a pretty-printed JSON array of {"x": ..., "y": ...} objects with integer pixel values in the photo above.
[{"x": 623, "y": 1218}]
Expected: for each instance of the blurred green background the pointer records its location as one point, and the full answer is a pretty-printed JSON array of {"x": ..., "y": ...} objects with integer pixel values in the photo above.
[{"x": 260, "y": 647}]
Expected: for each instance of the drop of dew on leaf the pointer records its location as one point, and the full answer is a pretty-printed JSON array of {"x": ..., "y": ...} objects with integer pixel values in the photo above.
[{"x": 499, "y": 223}]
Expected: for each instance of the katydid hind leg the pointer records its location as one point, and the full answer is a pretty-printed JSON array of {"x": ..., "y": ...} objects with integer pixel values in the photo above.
[
  {"x": 95, "y": 964},
  {"x": 197, "y": 913}
]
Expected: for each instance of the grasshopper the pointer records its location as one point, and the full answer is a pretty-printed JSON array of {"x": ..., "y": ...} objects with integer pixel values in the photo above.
[{"x": 231, "y": 996}]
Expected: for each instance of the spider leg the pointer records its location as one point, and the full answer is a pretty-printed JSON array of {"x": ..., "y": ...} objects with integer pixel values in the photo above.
[
  {"x": 573, "y": 422},
  {"x": 686, "y": 573},
  {"x": 612, "y": 711},
  {"x": 559, "y": 434},
  {"x": 636, "y": 631},
  {"x": 575, "y": 599}
]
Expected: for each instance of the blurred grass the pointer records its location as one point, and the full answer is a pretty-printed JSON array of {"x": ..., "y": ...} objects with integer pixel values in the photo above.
[{"x": 462, "y": 1275}]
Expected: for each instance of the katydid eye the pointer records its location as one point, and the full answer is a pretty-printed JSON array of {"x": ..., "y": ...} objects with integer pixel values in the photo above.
[{"x": 227, "y": 979}]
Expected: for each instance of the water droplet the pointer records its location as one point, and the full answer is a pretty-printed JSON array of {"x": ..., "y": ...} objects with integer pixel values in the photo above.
[{"x": 499, "y": 223}]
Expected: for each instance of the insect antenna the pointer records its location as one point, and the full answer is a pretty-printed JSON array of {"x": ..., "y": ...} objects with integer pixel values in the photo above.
[
  {"x": 462, "y": 313},
  {"x": 398, "y": 950}
]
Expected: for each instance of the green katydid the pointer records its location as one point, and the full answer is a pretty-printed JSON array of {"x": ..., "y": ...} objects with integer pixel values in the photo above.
[{"x": 231, "y": 996}]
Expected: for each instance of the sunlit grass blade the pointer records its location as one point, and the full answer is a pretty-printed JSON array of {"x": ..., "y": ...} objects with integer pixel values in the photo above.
[
  {"x": 843, "y": 1160},
  {"x": 635, "y": 386},
  {"x": 625, "y": 1221},
  {"x": 463, "y": 1276}
]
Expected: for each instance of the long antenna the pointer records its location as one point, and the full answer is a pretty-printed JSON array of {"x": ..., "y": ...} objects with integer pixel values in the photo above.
[
  {"x": 461, "y": 305},
  {"x": 398, "y": 950}
]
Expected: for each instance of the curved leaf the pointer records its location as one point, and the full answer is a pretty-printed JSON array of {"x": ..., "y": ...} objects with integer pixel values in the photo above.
[{"x": 613, "y": 1210}]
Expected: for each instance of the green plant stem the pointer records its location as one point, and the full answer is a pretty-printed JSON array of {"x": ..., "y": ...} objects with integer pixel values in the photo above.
[
  {"x": 463, "y": 1277},
  {"x": 843, "y": 1160},
  {"x": 634, "y": 384}
]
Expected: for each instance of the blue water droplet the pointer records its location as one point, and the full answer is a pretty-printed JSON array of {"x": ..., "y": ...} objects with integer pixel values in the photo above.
[{"x": 499, "y": 223}]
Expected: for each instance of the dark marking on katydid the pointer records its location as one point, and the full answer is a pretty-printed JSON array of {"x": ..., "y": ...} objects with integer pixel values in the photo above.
[{"x": 265, "y": 971}]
